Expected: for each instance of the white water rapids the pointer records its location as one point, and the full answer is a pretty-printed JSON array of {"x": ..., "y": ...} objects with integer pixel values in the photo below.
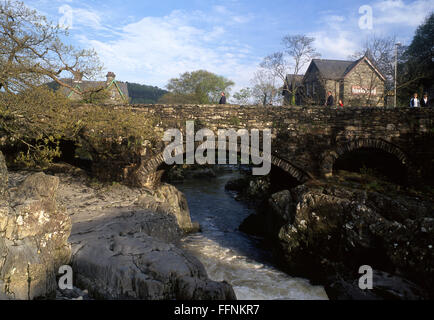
[{"x": 229, "y": 254}]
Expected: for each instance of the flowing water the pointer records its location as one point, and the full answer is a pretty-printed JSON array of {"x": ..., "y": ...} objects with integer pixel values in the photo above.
[{"x": 231, "y": 255}]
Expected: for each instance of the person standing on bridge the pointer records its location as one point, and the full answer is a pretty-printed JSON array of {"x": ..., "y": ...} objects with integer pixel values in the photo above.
[
  {"x": 223, "y": 99},
  {"x": 425, "y": 102},
  {"x": 415, "y": 102},
  {"x": 330, "y": 100}
]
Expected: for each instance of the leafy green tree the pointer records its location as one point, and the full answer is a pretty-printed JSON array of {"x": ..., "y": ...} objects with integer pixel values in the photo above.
[
  {"x": 201, "y": 87},
  {"x": 96, "y": 97},
  {"x": 32, "y": 123},
  {"x": 243, "y": 97}
]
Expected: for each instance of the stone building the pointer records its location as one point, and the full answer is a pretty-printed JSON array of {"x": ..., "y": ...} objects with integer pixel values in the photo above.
[
  {"x": 356, "y": 83},
  {"x": 116, "y": 91}
]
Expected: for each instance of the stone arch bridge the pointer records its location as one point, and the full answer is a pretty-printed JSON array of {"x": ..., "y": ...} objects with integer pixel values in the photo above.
[{"x": 306, "y": 141}]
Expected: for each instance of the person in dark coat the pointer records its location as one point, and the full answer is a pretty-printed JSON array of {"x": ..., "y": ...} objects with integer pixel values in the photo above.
[
  {"x": 330, "y": 100},
  {"x": 425, "y": 102},
  {"x": 223, "y": 99}
]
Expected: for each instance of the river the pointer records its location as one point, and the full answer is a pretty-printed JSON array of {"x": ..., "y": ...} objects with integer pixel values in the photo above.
[{"x": 231, "y": 255}]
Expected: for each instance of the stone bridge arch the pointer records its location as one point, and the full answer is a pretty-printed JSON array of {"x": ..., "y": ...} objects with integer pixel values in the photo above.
[
  {"x": 329, "y": 157},
  {"x": 306, "y": 140},
  {"x": 148, "y": 173}
]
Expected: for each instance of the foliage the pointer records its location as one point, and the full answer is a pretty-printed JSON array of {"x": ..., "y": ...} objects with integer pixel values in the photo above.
[
  {"x": 106, "y": 122},
  {"x": 32, "y": 51},
  {"x": 35, "y": 119},
  {"x": 97, "y": 96},
  {"x": 297, "y": 51},
  {"x": 33, "y": 122},
  {"x": 201, "y": 87},
  {"x": 265, "y": 90},
  {"x": 144, "y": 94},
  {"x": 173, "y": 98},
  {"x": 234, "y": 121},
  {"x": 416, "y": 72},
  {"x": 243, "y": 97}
]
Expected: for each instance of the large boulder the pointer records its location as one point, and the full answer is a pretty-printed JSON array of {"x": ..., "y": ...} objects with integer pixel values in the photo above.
[
  {"x": 131, "y": 253},
  {"x": 386, "y": 287},
  {"x": 34, "y": 235},
  {"x": 174, "y": 202},
  {"x": 267, "y": 222},
  {"x": 327, "y": 230}
]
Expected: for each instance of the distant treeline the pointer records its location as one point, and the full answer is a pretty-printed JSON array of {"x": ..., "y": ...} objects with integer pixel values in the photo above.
[{"x": 140, "y": 93}]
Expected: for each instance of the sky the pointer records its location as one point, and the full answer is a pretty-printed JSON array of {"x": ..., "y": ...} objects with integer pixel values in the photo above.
[{"x": 149, "y": 42}]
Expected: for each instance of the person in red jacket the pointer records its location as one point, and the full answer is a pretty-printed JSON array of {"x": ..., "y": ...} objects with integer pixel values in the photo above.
[{"x": 341, "y": 104}]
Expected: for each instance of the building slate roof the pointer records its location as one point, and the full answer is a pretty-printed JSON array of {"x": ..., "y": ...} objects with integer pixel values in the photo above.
[
  {"x": 87, "y": 85},
  {"x": 334, "y": 69}
]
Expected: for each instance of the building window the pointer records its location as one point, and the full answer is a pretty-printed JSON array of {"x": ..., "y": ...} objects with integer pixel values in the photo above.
[
  {"x": 307, "y": 89},
  {"x": 313, "y": 89}
]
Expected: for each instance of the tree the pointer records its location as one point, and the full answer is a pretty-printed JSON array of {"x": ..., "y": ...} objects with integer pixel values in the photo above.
[
  {"x": 416, "y": 72},
  {"x": 144, "y": 94},
  {"x": 33, "y": 118},
  {"x": 32, "y": 52},
  {"x": 381, "y": 51},
  {"x": 298, "y": 51},
  {"x": 265, "y": 90},
  {"x": 201, "y": 87},
  {"x": 243, "y": 97}
]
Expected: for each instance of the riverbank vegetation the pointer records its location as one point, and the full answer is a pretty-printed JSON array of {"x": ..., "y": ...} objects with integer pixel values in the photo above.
[
  {"x": 202, "y": 87},
  {"x": 35, "y": 121}
]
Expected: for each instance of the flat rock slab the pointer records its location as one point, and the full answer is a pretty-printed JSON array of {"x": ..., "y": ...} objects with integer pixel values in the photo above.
[
  {"x": 126, "y": 248},
  {"x": 126, "y": 254}
]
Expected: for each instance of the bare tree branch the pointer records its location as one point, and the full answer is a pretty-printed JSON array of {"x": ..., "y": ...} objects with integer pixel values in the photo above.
[{"x": 32, "y": 52}]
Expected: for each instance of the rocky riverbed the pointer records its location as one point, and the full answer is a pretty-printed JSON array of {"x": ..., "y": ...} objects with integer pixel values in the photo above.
[
  {"x": 326, "y": 230},
  {"x": 122, "y": 243}
]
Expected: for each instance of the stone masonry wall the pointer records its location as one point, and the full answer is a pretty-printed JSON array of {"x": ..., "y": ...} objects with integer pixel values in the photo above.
[
  {"x": 363, "y": 76},
  {"x": 311, "y": 138}
]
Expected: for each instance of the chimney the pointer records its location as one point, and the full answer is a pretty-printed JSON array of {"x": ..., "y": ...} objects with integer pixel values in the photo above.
[
  {"x": 110, "y": 77},
  {"x": 78, "y": 76}
]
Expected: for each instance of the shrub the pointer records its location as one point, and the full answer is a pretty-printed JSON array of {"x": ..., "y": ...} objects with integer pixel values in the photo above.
[{"x": 33, "y": 122}]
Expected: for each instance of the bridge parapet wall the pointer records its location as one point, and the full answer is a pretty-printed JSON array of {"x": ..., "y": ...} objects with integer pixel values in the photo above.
[{"x": 311, "y": 138}]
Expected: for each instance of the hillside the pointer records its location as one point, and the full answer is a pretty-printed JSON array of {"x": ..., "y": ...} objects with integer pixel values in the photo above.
[{"x": 144, "y": 94}]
